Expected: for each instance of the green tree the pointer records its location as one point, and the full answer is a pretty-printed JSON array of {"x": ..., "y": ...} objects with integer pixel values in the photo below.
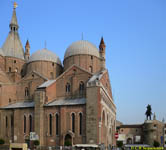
[
  {"x": 156, "y": 144},
  {"x": 2, "y": 142},
  {"x": 119, "y": 143},
  {"x": 36, "y": 142}
]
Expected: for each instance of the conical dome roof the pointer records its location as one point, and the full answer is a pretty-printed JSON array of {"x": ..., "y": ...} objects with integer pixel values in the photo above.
[
  {"x": 1, "y": 52},
  {"x": 46, "y": 55},
  {"x": 14, "y": 18},
  {"x": 12, "y": 46},
  {"x": 81, "y": 47}
]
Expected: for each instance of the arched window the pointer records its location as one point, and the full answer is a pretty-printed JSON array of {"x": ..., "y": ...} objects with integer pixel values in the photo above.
[
  {"x": 12, "y": 121},
  {"x": 57, "y": 124},
  {"x": 10, "y": 69},
  {"x": 80, "y": 122},
  {"x": 6, "y": 121},
  {"x": 26, "y": 91},
  {"x": 81, "y": 87},
  {"x": 50, "y": 124},
  {"x": 73, "y": 122},
  {"x": 12, "y": 124},
  {"x": 24, "y": 124},
  {"x": 67, "y": 88},
  {"x": 30, "y": 123},
  {"x": 90, "y": 69},
  {"x": 22, "y": 73}
]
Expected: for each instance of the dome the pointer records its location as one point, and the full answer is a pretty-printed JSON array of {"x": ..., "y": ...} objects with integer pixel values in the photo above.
[
  {"x": 81, "y": 47},
  {"x": 1, "y": 52},
  {"x": 46, "y": 55}
]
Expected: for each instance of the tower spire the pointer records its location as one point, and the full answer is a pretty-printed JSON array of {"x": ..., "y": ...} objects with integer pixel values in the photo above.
[
  {"x": 14, "y": 5},
  {"x": 27, "y": 50},
  {"x": 45, "y": 44},
  {"x": 13, "y": 23},
  {"x": 154, "y": 116},
  {"x": 102, "y": 44},
  {"x": 82, "y": 36},
  {"x": 102, "y": 47},
  {"x": 12, "y": 46}
]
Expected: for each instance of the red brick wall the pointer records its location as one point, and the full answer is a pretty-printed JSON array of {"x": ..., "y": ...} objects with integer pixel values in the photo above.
[
  {"x": 7, "y": 92},
  {"x": 83, "y": 61},
  {"x": 6, "y": 132},
  {"x": 2, "y": 63},
  {"x": 13, "y": 63},
  {"x": 46, "y": 68},
  {"x": 65, "y": 124},
  {"x": 31, "y": 83},
  {"x": 74, "y": 76},
  {"x": 106, "y": 83}
]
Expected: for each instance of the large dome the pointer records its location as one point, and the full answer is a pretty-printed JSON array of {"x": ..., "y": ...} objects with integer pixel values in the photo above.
[
  {"x": 46, "y": 55},
  {"x": 81, "y": 47},
  {"x": 1, "y": 52}
]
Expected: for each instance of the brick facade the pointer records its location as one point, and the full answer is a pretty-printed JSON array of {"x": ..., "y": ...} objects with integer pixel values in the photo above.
[
  {"x": 62, "y": 104},
  {"x": 148, "y": 132}
]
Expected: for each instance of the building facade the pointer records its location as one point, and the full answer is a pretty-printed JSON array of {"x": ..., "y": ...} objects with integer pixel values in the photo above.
[
  {"x": 59, "y": 104},
  {"x": 146, "y": 133}
]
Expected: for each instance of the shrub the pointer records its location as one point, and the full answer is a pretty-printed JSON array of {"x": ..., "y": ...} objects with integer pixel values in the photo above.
[
  {"x": 156, "y": 144},
  {"x": 36, "y": 142},
  {"x": 67, "y": 143},
  {"x": 2, "y": 142},
  {"x": 119, "y": 143}
]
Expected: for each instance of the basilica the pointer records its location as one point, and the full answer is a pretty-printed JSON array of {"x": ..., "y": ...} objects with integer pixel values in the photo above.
[{"x": 59, "y": 103}]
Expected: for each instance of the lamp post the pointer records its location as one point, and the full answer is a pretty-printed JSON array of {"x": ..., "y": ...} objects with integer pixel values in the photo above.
[{"x": 163, "y": 132}]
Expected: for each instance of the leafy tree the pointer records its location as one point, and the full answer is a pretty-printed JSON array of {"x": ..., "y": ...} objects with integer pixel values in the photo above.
[
  {"x": 119, "y": 143},
  {"x": 36, "y": 142},
  {"x": 156, "y": 144},
  {"x": 2, "y": 142}
]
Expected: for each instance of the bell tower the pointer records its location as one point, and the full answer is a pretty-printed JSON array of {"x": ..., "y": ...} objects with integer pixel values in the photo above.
[
  {"x": 102, "y": 47},
  {"x": 27, "y": 50}
]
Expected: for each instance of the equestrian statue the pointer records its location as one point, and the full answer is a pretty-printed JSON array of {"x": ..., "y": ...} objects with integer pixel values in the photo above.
[{"x": 148, "y": 112}]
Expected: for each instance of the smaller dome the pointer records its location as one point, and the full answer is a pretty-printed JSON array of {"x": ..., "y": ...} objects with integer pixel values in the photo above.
[
  {"x": 81, "y": 47},
  {"x": 1, "y": 52},
  {"x": 46, "y": 55}
]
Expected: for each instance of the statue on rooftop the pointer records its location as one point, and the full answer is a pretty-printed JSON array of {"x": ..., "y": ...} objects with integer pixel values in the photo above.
[{"x": 148, "y": 112}]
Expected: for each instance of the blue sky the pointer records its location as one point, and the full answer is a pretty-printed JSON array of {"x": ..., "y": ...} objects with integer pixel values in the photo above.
[{"x": 134, "y": 32}]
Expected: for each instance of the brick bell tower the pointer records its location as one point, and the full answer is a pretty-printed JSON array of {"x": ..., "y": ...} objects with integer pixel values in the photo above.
[
  {"x": 27, "y": 50},
  {"x": 102, "y": 47}
]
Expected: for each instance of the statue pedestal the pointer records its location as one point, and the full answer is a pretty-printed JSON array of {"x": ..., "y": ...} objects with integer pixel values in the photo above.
[{"x": 148, "y": 121}]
